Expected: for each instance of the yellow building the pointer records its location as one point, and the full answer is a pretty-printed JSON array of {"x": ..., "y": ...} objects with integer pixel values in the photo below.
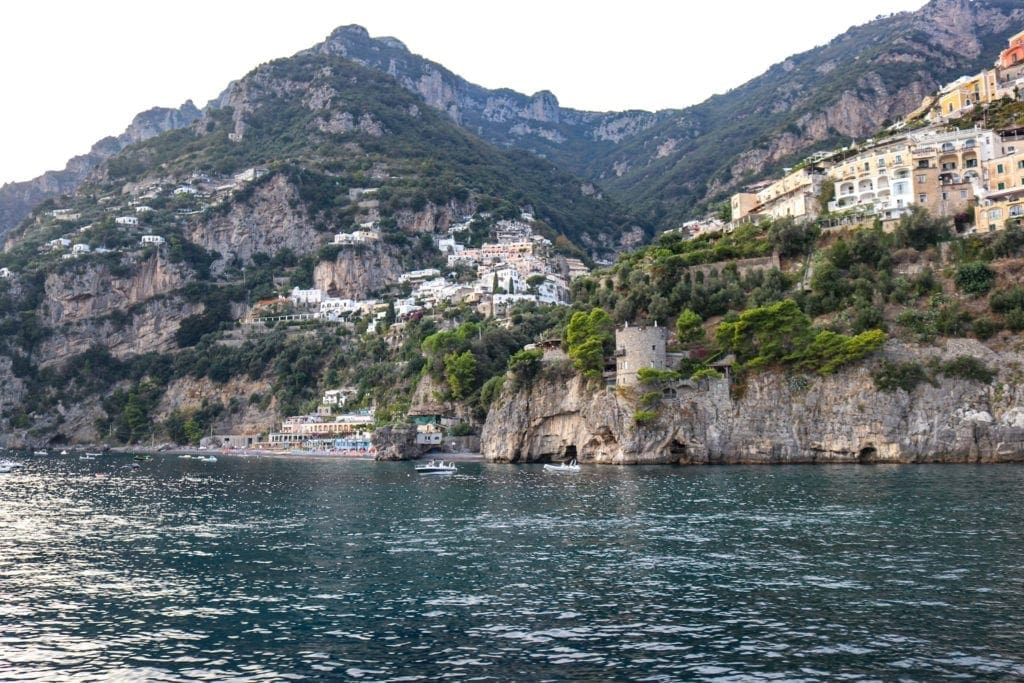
[
  {"x": 742, "y": 204},
  {"x": 968, "y": 91},
  {"x": 795, "y": 195},
  {"x": 1004, "y": 198}
]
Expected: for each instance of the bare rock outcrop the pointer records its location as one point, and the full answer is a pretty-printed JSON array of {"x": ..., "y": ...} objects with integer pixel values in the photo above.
[
  {"x": 95, "y": 289},
  {"x": 271, "y": 219},
  {"x": 358, "y": 270},
  {"x": 842, "y": 418}
]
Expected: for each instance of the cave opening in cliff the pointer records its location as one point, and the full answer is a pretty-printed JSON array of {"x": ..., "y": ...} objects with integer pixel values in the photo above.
[
  {"x": 570, "y": 452},
  {"x": 677, "y": 448},
  {"x": 867, "y": 454}
]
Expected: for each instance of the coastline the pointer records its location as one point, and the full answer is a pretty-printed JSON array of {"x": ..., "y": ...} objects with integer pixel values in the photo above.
[{"x": 258, "y": 453}]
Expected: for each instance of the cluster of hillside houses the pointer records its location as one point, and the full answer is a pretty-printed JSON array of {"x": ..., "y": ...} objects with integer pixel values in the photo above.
[{"x": 976, "y": 174}]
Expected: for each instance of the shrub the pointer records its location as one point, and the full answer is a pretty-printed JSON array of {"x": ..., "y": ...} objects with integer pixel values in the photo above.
[
  {"x": 893, "y": 375},
  {"x": 705, "y": 373},
  {"x": 984, "y": 328},
  {"x": 1007, "y": 300},
  {"x": 644, "y": 417},
  {"x": 969, "y": 368},
  {"x": 652, "y": 376},
  {"x": 974, "y": 278}
]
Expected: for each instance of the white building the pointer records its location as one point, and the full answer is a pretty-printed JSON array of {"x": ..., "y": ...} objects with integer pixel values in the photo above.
[
  {"x": 337, "y": 397},
  {"x": 152, "y": 239},
  {"x": 357, "y": 237},
  {"x": 306, "y": 297},
  {"x": 143, "y": 209},
  {"x": 5, "y": 273},
  {"x": 415, "y": 276},
  {"x": 127, "y": 220},
  {"x": 186, "y": 189},
  {"x": 448, "y": 245},
  {"x": 332, "y": 308},
  {"x": 59, "y": 243},
  {"x": 250, "y": 174},
  {"x": 80, "y": 249}
]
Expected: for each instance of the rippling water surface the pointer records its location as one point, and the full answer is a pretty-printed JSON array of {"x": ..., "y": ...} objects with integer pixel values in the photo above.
[{"x": 269, "y": 569}]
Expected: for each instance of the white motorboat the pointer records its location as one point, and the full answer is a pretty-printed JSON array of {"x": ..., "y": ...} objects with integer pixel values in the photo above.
[
  {"x": 9, "y": 466},
  {"x": 87, "y": 457},
  {"x": 208, "y": 458},
  {"x": 40, "y": 452},
  {"x": 64, "y": 452},
  {"x": 91, "y": 455},
  {"x": 437, "y": 467},
  {"x": 565, "y": 467}
]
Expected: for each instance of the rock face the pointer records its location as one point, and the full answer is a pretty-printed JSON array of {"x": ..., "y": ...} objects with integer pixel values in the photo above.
[
  {"x": 269, "y": 220},
  {"x": 837, "y": 419},
  {"x": 397, "y": 443},
  {"x": 129, "y": 314},
  {"x": 242, "y": 416},
  {"x": 357, "y": 271},
  {"x": 93, "y": 291},
  {"x": 18, "y": 199}
]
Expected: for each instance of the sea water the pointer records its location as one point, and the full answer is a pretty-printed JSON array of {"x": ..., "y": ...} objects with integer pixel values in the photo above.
[{"x": 254, "y": 569}]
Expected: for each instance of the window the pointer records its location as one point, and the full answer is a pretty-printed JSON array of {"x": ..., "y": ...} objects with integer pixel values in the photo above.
[
  {"x": 1001, "y": 186},
  {"x": 1020, "y": 164},
  {"x": 945, "y": 196},
  {"x": 963, "y": 194},
  {"x": 923, "y": 163},
  {"x": 995, "y": 214},
  {"x": 921, "y": 179},
  {"x": 867, "y": 165},
  {"x": 898, "y": 159},
  {"x": 1000, "y": 169},
  {"x": 922, "y": 197}
]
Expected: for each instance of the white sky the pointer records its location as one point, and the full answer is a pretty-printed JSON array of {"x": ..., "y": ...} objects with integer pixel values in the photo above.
[{"x": 74, "y": 71}]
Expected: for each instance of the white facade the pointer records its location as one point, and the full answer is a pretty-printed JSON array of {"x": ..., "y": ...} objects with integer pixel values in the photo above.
[
  {"x": 357, "y": 237},
  {"x": 5, "y": 273},
  {"x": 419, "y": 275},
  {"x": 331, "y": 307},
  {"x": 152, "y": 239},
  {"x": 143, "y": 209},
  {"x": 186, "y": 189},
  {"x": 306, "y": 297},
  {"x": 80, "y": 249},
  {"x": 127, "y": 220},
  {"x": 59, "y": 243}
]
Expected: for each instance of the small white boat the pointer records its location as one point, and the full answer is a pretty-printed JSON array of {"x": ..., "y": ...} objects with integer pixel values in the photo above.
[
  {"x": 40, "y": 452},
  {"x": 64, "y": 452},
  {"x": 565, "y": 467},
  {"x": 9, "y": 466},
  {"x": 208, "y": 458},
  {"x": 91, "y": 455},
  {"x": 437, "y": 467},
  {"x": 87, "y": 457}
]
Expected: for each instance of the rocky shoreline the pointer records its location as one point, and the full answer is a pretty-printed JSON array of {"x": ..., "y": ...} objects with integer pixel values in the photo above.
[{"x": 777, "y": 419}]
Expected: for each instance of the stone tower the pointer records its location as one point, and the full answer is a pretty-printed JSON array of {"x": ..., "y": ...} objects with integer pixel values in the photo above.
[{"x": 638, "y": 347}]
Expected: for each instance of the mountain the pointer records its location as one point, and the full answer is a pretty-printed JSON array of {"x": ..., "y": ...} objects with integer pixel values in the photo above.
[
  {"x": 848, "y": 88},
  {"x": 671, "y": 164},
  {"x": 536, "y": 123},
  {"x": 17, "y": 199}
]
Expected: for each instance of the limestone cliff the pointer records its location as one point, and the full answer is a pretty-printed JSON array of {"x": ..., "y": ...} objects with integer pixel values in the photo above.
[
  {"x": 91, "y": 289},
  {"x": 241, "y": 415},
  {"x": 271, "y": 218},
  {"x": 358, "y": 270},
  {"x": 778, "y": 419}
]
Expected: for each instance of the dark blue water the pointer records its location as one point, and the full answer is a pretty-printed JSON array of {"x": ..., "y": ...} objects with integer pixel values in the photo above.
[{"x": 267, "y": 569}]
